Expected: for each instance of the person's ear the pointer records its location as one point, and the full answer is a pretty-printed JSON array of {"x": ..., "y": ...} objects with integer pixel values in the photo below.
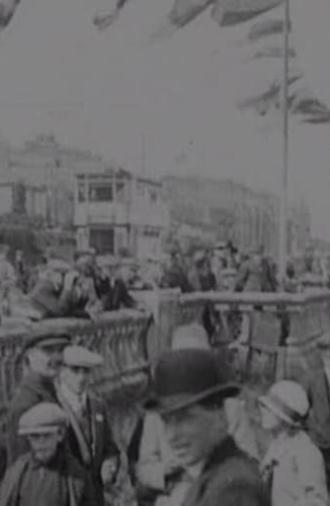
[{"x": 61, "y": 433}]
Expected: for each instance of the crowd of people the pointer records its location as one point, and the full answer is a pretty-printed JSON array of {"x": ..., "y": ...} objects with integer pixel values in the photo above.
[
  {"x": 195, "y": 443},
  {"x": 91, "y": 284},
  {"x": 55, "y": 288}
]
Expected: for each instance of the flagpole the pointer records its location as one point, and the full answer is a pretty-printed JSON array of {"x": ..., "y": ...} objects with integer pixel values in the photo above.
[{"x": 283, "y": 234}]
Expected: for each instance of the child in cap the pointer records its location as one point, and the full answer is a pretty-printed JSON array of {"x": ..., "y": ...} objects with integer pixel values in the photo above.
[
  {"x": 293, "y": 467},
  {"x": 47, "y": 474}
]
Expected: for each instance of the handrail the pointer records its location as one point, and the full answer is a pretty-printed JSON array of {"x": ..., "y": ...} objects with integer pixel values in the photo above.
[{"x": 257, "y": 298}]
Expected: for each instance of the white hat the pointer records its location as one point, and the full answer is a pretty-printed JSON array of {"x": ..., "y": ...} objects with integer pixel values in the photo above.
[
  {"x": 78, "y": 356},
  {"x": 190, "y": 336},
  {"x": 287, "y": 400}
]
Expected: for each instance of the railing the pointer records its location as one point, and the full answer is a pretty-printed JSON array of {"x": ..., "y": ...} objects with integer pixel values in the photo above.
[
  {"x": 284, "y": 337},
  {"x": 121, "y": 338},
  {"x": 279, "y": 336}
]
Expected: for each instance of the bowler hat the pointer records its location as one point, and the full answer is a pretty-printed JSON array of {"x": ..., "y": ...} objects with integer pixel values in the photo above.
[{"x": 188, "y": 376}]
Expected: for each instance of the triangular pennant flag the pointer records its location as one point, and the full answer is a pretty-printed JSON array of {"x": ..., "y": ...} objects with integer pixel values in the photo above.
[
  {"x": 185, "y": 11},
  {"x": 265, "y": 28},
  {"x": 105, "y": 19},
  {"x": 7, "y": 11},
  {"x": 233, "y": 12},
  {"x": 311, "y": 39}
]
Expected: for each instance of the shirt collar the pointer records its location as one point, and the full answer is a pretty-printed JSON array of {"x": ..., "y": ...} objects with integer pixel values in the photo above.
[
  {"x": 74, "y": 400},
  {"x": 195, "y": 470}
]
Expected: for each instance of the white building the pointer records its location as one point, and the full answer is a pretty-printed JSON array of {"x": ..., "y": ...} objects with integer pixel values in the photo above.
[{"x": 114, "y": 211}]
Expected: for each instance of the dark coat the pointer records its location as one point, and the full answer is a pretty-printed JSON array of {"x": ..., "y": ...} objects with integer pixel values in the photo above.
[
  {"x": 91, "y": 454},
  {"x": 229, "y": 478},
  {"x": 77, "y": 479},
  {"x": 32, "y": 390},
  {"x": 175, "y": 277},
  {"x": 49, "y": 303},
  {"x": 113, "y": 297}
]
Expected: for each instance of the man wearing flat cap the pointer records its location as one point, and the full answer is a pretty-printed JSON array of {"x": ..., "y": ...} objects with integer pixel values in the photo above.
[
  {"x": 189, "y": 396},
  {"x": 42, "y": 358},
  {"x": 89, "y": 434},
  {"x": 47, "y": 475},
  {"x": 53, "y": 293}
]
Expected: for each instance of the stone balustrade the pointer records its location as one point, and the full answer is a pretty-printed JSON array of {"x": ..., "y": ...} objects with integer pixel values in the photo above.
[
  {"x": 282, "y": 336},
  {"x": 121, "y": 338}
]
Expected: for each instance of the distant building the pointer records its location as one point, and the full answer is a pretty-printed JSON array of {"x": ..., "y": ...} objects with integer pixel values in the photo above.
[
  {"x": 27, "y": 199},
  {"x": 45, "y": 161},
  {"x": 116, "y": 212},
  {"x": 226, "y": 209},
  {"x": 299, "y": 227}
]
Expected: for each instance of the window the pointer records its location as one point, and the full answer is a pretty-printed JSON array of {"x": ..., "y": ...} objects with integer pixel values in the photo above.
[
  {"x": 120, "y": 191},
  {"x": 102, "y": 239},
  {"x": 100, "y": 193},
  {"x": 81, "y": 192},
  {"x": 153, "y": 196}
]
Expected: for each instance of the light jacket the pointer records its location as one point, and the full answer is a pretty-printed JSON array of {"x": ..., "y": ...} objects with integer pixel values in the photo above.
[{"x": 295, "y": 468}]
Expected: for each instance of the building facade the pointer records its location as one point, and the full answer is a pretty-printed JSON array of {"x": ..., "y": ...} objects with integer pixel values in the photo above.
[
  {"x": 115, "y": 212},
  {"x": 231, "y": 211},
  {"x": 20, "y": 198}
]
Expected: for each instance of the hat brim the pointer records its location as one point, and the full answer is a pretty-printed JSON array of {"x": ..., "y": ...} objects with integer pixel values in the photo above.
[
  {"x": 267, "y": 403},
  {"x": 45, "y": 341},
  {"x": 83, "y": 365},
  {"x": 49, "y": 429},
  {"x": 169, "y": 404}
]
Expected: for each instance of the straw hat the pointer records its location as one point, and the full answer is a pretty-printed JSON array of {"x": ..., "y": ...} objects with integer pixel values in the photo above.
[{"x": 288, "y": 401}]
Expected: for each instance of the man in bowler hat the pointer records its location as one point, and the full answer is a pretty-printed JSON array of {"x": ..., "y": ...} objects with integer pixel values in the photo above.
[
  {"x": 189, "y": 396},
  {"x": 42, "y": 356}
]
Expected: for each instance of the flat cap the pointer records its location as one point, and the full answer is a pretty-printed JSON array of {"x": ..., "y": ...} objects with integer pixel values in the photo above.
[
  {"x": 45, "y": 338},
  {"x": 199, "y": 257},
  {"x": 41, "y": 418},
  {"x": 78, "y": 356}
]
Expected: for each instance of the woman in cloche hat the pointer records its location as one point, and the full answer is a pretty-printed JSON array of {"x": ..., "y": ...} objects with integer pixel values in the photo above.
[{"x": 293, "y": 467}]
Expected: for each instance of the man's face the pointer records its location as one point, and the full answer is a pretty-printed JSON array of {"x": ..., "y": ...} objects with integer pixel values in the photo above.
[
  {"x": 57, "y": 280},
  {"x": 44, "y": 446},
  {"x": 194, "y": 431},
  {"x": 76, "y": 378},
  {"x": 46, "y": 360},
  {"x": 269, "y": 420}
]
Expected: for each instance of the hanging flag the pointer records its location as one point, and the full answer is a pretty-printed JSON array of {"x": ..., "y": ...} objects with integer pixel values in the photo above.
[
  {"x": 233, "y": 12},
  {"x": 266, "y": 28},
  {"x": 105, "y": 19},
  {"x": 185, "y": 11},
  {"x": 7, "y": 11},
  {"x": 311, "y": 39}
]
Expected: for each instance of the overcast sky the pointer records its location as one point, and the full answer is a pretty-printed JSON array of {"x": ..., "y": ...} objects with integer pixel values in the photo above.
[{"x": 112, "y": 92}]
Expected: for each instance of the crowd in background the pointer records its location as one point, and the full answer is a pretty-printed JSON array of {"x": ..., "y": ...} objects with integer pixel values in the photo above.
[{"x": 91, "y": 284}]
